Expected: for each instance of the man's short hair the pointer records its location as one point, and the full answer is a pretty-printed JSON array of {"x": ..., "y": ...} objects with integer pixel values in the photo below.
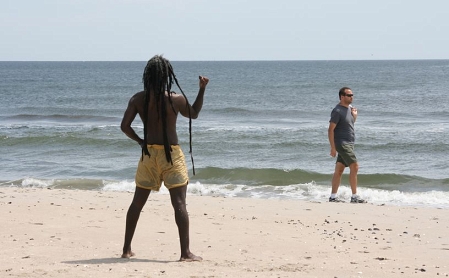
[{"x": 342, "y": 91}]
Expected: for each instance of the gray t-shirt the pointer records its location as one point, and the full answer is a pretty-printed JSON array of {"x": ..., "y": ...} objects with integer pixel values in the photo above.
[{"x": 344, "y": 131}]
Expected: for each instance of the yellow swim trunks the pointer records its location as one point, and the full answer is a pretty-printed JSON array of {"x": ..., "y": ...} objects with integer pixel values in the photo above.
[{"x": 155, "y": 169}]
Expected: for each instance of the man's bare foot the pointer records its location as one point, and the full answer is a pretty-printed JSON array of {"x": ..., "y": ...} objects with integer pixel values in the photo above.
[
  {"x": 128, "y": 255},
  {"x": 191, "y": 258}
]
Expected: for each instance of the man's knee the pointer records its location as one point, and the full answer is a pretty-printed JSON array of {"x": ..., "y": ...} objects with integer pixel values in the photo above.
[
  {"x": 339, "y": 168},
  {"x": 140, "y": 197},
  {"x": 178, "y": 196},
  {"x": 354, "y": 167}
]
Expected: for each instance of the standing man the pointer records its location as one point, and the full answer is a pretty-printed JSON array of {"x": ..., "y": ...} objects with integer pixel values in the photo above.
[
  {"x": 342, "y": 138},
  {"x": 162, "y": 159}
]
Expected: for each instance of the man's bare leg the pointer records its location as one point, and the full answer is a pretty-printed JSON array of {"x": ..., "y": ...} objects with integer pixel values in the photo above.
[
  {"x": 139, "y": 200},
  {"x": 178, "y": 200},
  {"x": 354, "y": 169},
  {"x": 336, "y": 178}
]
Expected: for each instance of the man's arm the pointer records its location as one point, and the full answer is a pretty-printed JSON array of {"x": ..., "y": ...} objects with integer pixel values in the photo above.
[
  {"x": 128, "y": 118},
  {"x": 330, "y": 135},
  {"x": 198, "y": 104}
]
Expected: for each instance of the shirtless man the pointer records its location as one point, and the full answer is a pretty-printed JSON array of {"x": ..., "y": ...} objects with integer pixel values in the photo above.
[{"x": 162, "y": 158}]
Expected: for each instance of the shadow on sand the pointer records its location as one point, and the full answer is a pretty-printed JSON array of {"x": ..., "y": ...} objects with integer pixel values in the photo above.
[{"x": 116, "y": 261}]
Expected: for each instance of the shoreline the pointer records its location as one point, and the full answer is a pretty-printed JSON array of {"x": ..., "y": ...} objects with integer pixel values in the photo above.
[{"x": 76, "y": 233}]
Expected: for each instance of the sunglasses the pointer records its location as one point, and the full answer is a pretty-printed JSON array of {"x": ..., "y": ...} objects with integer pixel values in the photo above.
[{"x": 349, "y": 95}]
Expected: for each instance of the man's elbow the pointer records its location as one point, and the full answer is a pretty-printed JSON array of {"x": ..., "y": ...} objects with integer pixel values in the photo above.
[
  {"x": 124, "y": 127},
  {"x": 193, "y": 114},
  {"x": 330, "y": 134}
]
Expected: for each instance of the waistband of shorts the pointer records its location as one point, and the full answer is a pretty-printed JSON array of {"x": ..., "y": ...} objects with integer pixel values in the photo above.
[{"x": 161, "y": 147}]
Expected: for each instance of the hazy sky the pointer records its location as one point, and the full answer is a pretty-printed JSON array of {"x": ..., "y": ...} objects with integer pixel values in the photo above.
[{"x": 135, "y": 30}]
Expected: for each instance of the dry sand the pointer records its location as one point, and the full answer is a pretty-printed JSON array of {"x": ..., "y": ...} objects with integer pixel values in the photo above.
[{"x": 75, "y": 233}]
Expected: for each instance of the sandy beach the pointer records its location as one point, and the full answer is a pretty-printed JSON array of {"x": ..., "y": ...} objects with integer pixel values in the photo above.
[{"x": 76, "y": 233}]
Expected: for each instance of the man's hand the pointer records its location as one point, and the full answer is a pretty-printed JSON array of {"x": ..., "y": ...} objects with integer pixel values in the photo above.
[
  {"x": 354, "y": 112},
  {"x": 333, "y": 152},
  {"x": 203, "y": 81}
]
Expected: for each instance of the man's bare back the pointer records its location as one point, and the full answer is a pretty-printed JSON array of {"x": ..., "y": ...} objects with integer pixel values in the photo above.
[
  {"x": 154, "y": 124},
  {"x": 160, "y": 118}
]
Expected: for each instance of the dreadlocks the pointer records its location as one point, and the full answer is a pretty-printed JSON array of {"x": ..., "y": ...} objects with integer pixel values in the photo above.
[{"x": 159, "y": 76}]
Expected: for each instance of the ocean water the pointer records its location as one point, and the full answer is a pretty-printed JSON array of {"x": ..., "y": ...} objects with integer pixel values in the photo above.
[{"x": 262, "y": 132}]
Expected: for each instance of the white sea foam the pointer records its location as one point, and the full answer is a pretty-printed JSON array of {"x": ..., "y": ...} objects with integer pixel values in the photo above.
[
  {"x": 39, "y": 183},
  {"x": 118, "y": 186},
  {"x": 308, "y": 191},
  {"x": 314, "y": 192}
]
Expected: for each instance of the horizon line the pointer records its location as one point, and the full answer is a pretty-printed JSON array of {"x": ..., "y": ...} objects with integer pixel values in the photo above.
[{"x": 267, "y": 60}]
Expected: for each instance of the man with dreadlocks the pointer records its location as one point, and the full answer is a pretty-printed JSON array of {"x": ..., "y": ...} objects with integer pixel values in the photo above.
[{"x": 162, "y": 159}]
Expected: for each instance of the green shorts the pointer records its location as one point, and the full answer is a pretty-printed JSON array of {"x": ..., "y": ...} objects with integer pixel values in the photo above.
[
  {"x": 346, "y": 154},
  {"x": 155, "y": 169}
]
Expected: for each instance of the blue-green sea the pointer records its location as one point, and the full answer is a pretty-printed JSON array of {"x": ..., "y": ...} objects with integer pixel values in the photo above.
[{"x": 262, "y": 132}]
